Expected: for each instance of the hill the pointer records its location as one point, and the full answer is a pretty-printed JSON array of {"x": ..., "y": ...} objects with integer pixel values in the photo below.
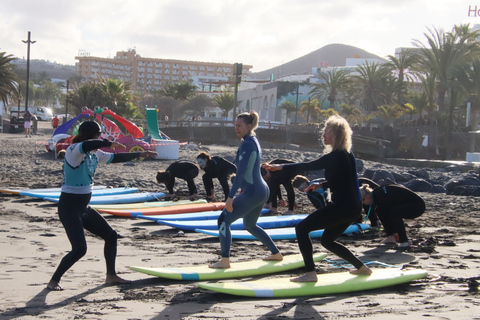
[
  {"x": 53, "y": 70},
  {"x": 334, "y": 55}
]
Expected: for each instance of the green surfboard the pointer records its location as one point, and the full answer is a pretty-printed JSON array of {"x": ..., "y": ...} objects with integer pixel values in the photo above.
[
  {"x": 330, "y": 283},
  {"x": 237, "y": 270}
]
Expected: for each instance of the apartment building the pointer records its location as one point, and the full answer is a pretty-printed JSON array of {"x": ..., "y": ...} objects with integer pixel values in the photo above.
[{"x": 148, "y": 74}]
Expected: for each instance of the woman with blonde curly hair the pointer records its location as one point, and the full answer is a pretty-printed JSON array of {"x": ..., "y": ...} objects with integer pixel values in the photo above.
[{"x": 341, "y": 177}]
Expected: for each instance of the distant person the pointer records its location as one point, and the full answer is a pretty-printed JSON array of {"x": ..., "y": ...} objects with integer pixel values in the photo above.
[
  {"x": 393, "y": 203},
  {"x": 341, "y": 176},
  {"x": 182, "y": 169},
  {"x": 317, "y": 196},
  {"x": 370, "y": 214},
  {"x": 274, "y": 180},
  {"x": 34, "y": 124},
  {"x": 55, "y": 122},
  {"x": 28, "y": 123},
  {"x": 249, "y": 203},
  {"x": 81, "y": 159},
  {"x": 215, "y": 167}
]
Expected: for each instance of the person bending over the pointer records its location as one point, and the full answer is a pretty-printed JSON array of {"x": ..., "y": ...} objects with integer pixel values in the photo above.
[
  {"x": 341, "y": 176},
  {"x": 249, "y": 203},
  {"x": 80, "y": 163},
  {"x": 215, "y": 167},
  {"x": 181, "y": 169},
  {"x": 318, "y": 195},
  {"x": 274, "y": 181},
  {"x": 393, "y": 203}
]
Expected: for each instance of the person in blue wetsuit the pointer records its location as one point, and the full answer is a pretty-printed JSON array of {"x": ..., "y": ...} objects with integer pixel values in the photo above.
[
  {"x": 80, "y": 163},
  {"x": 254, "y": 192},
  {"x": 346, "y": 206}
]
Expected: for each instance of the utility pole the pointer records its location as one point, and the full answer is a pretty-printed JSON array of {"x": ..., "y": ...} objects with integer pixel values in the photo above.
[
  {"x": 237, "y": 74},
  {"x": 66, "y": 104},
  {"x": 28, "y": 42}
]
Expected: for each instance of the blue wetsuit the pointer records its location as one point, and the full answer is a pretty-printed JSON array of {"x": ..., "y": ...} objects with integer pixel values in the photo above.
[
  {"x": 341, "y": 176},
  {"x": 248, "y": 204}
]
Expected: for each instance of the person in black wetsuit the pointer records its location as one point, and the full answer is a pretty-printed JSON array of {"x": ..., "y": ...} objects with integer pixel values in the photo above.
[
  {"x": 80, "y": 163},
  {"x": 182, "y": 169},
  {"x": 215, "y": 167},
  {"x": 254, "y": 193},
  {"x": 274, "y": 181},
  {"x": 346, "y": 207},
  {"x": 317, "y": 197},
  {"x": 393, "y": 203},
  {"x": 370, "y": 213}
]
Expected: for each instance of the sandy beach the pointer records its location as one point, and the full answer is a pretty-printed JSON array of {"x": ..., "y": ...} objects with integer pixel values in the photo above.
[{"x": 446, "y": 244}]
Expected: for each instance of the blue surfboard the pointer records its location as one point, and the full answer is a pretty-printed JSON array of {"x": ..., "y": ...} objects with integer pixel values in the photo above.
[
  {"x": 283, "y": 233},
  {"x": 263, "y": 222},
  {"x": 204, "y": 215},
  {"x": 95, "y": 192},
  {"x": 121, "y": 198}
]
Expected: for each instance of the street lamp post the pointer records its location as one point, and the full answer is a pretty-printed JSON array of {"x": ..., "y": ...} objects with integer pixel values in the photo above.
[
  {"x": 296, "y": 103},
  {"x": 66, "y": 103},
  {"x": 28, "y": 42}
]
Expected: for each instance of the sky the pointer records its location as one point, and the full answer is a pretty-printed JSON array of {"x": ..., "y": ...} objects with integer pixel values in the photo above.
[{"x": 261, "y": 33}]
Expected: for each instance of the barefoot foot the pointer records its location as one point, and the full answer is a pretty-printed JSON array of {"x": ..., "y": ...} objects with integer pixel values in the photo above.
[
  {"x": 274, "y": 257},
  {"x": 307, "y": 277},
  {"x": 114, "y": 279},
  {"x": 389, "y": 240},
  {"x": 364, "y": 270},
  {"x": 224, "y": 263},
  {"x": 54, "y": 286}
]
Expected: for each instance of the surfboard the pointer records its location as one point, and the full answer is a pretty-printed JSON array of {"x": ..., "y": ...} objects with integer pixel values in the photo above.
[
  {"x": 282, "y": 233},
  {"x": 95, "y": 193},
  {"x": 140, "y": 205},
  {"x": 120, "y": 198},
  {"x": 204, "y": 215},
  {"x": 237, "y": 270},
  {"x": 263, "y": 222},
  {"x": 17, "y": 191},
  {"x": 329, "y": 283},
  {"x": 186, "y": 208}
]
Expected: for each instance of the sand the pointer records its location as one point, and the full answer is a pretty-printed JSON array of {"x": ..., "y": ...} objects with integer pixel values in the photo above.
[{"x": 33, "y": 241}]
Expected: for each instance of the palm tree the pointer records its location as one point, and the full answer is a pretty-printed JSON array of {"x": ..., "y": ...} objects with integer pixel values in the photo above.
[
  {"x": 197, "y": 105},
  {"x": 390, "y": 112},
  {"x": 8, "y": 78},
  {"x": 310, "y": 107},
  {"x": 468, "y": 76},
  {"x": 351, "y": 113},
  {"x": 444, "y": 53},
  {"x": 225, "y": 101},
  {"x": 86, "y": 94},
  {"x": 374, "y": 83},
  {"x": 289, "y": 107},
  {"x": 401, "y": 66},
  {"x": 335, "y": 83},
  {"x": 117, "y": 95},
  {"x": 180, "y": 91}
]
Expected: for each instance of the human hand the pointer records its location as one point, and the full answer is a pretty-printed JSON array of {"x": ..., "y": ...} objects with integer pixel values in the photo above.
[
  {"x": 229, "y": 204},
  {"x": 148, "y": 154},
  {"x": 314, "y": 186},
  {"x": 272, "y": 167},
  {"x": 116, "y": 145}
]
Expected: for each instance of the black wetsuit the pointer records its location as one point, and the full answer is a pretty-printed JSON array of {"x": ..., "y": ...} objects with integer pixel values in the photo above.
[
  {"x": 182, "y": 169},
  {"x": 221, "y": 169},
  {"x": 278, "y": 178},
  {"x": 393, "y": 203},
  {"x": 341, "y": 176},
  {"x": 370, "y": 212}
]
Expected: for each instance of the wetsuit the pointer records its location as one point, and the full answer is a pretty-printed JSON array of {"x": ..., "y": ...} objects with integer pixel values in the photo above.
[
  {"x": 185, "y": 170},
  {"x": 317, "y": 197},
  {"x": 368, "y": 209},
  {"x": 341, "y": 177},
  {"x": 278, "y": 178},
  {"x": 80, "y": 164},
  {"x": 393, "y": 203},
  {"x": 248, "y": 204},
  {"x": 221, "y": 169}
]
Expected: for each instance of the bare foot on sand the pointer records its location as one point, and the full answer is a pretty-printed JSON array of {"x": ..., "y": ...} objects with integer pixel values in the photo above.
[
  {"x": 389, "y": 240},
  {"x": 310, "y": 276},
  {"x": 364, "y": 270},
  {"x": 114, "y": 279},
  {"x": 54, "y": 286},
  {"x": 274, "y": 257},
  {"x": 224, "y": 263}
]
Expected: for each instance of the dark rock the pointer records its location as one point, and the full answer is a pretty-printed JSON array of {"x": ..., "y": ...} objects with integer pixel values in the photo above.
[
  {"x": 418, "y": 185},
  {"x": 383, "y": 177}
]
